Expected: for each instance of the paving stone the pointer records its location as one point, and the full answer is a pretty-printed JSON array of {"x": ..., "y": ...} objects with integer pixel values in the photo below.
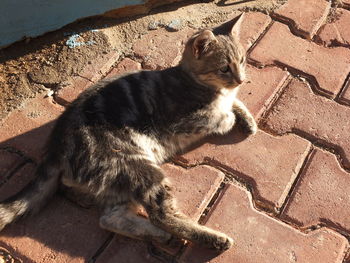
[
  {"x": 260, "y": 238},
  {"x": 269, "y": 164},
  {"x": 299, "y": 109},
  {"x": 337, "y": 32},
  {"x": 16, "y": 179},
  {"x": 345, "y": 95},
  {"x": 10, "y": 163},
  {"x": 194, "y": 188},
  {"x": 307, "y": 16},
  {"x": 124, "y": 66},
  {"x": 100, "y": 66},
  {"x": 261, "y": 87},
  {"x": 322, "y": 194},
  {"x": 126, "y": 250},
  {"x": 61, "y": 232},
  {"x": 253, "y": 25},
  {"x": 27, "y": 128},
  {"x": 90, "y": 74},
  {"x": 161, "y": 49},
  {"x": 70, "y": 92},
  {"x": 329, "y": 67}
]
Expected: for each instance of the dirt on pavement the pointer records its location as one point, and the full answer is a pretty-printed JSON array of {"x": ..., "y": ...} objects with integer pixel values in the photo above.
[{"x": 45, "y": 63}]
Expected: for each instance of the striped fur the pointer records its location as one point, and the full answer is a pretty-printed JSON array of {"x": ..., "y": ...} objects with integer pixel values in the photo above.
[{"x": 110, "y": 141}]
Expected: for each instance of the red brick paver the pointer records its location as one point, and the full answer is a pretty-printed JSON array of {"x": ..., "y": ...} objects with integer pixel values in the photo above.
[
  {"x": 10, "y": 164},
  {"x": 253, "y": 25},
  {"x": 261, "y": 87},
  {"x": 124, "y": 66},
  {"x": 200, "y": 182},
  {"x": 16, "y": 179},
  {"x": 99, "y": 67},
  {"x": 280, "y": 46},
  {"x": 90, "y": 74},
  {"x": 322, "y": 194},
  {"x": 67, "y": 94},
  {"x": 306, "y": 16},
  {"x": 260, "y": 238},
  {"x": 122, "y": 249},
  {"x": 269, "y": 163},
  {"x": 61, "y": 232},
  {"x": 160, "y": 49},
  {"x": 325, "y": 121},
  {"x": 78, "y": 84},
  {"x": 345, "y": 95},
  {"x": 27, "y": 128},
  {"x": 337, "y": 32}
]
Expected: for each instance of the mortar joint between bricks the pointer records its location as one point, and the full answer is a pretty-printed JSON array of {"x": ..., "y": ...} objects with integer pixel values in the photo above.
[
  {"x": 291, "y": 25},
  {"x": 9, "y": 174},
  {"x": 328, "y": 147},
  {"x": 84, "y": 77},
  {"x": 160, "y": 254},
  {"x": 345, "y": 86},
  {"x": 296, "y": 181},
  {"x": 238, "y": 178},
  {"x": 308, "y": 79},
  {"x": 316, "y": 142},
  {"x": 100, "y": 250},
  {"x": 346, "y": 258},
  {"x": 17, "y": 152},
  {"x": 319, "y": 225},
  {"x": 274, "y": 101},
  {"x": 250, "y": 49}
]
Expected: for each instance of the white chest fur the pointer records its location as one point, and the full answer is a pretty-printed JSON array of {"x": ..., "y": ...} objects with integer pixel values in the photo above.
[
  {"x": 225, "y": 100},
  {"x": 221, "y": 118}
]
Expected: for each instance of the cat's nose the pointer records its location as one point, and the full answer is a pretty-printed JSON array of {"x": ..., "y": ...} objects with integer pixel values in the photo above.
[
  {"x": 241, "y": 77},
  {"x": 240, "y": 81}
]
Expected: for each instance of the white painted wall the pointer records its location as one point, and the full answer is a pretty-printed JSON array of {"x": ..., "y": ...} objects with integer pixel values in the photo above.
[{"x": 31, "y": 18}]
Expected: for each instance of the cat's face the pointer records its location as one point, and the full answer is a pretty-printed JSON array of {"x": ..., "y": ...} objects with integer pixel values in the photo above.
[{"x": 216, "y": 60}]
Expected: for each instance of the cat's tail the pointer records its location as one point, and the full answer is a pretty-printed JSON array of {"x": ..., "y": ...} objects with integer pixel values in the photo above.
[{"x": 33, "y": 196}]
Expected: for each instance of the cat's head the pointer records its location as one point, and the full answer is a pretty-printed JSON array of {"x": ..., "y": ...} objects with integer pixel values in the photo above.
[{"x": 216, "y": 59}]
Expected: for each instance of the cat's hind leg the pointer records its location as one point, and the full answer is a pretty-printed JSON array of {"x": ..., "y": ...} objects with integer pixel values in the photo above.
[
  {"x": 162, "y": 212},
  {"x": 122, "y": 219}
]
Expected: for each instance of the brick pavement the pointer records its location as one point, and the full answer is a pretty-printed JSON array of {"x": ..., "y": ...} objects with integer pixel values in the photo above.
[{"x": 283, "y": 194}]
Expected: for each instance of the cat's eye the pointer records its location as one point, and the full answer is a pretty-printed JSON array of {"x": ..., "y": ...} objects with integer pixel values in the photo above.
[{"x": 225, "y": 69}]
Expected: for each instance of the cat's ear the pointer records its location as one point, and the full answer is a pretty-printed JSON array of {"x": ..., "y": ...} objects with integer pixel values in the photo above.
[
  {"x": 202, "y": 42},
  {"x": 236, "y": 25}
]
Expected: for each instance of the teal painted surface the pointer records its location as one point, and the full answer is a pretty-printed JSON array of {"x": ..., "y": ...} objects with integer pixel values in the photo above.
[{"x": 30, "y": 18}]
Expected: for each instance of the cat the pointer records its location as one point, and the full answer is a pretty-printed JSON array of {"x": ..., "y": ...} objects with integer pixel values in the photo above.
[{"x": 110, "y": 142}]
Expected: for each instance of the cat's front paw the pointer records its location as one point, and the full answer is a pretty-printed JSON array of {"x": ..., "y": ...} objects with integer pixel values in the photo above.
[
  {"x": 223, "y": 243},
  {"x": 249, "y": 126}
]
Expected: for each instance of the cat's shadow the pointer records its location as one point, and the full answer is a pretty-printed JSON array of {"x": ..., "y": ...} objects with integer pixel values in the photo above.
[
  {"x": 236, "y": 135},
  {"x": 62, "y": 225}
]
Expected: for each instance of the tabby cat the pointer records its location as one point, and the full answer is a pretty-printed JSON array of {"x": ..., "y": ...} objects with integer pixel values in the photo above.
[{"x": 110, "y": 141}]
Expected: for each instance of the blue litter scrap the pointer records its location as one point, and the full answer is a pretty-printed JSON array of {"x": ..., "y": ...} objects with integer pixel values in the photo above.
[{"x": 75, "y": 40}]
